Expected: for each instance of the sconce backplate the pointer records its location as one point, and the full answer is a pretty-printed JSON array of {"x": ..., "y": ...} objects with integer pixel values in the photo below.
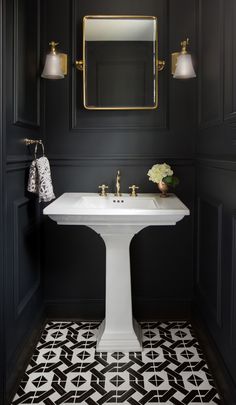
[
  {"x": 174, "y": 57},
  {"x": 63, "y": 60}
]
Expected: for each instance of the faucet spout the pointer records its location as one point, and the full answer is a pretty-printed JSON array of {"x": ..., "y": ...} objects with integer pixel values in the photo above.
[{"x": 118, "y": 193}]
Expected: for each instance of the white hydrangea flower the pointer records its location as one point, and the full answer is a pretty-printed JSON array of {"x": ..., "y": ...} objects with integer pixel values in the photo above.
[{"x": 159, "y": 171}]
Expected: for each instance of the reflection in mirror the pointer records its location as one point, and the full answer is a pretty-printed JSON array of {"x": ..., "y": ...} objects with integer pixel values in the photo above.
[{"x": 120, "y": 55}]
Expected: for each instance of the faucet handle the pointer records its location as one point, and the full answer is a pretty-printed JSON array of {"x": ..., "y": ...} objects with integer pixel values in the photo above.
[
  {"x": 103, "y": 188},
  {"x": 133, "y": 190}
]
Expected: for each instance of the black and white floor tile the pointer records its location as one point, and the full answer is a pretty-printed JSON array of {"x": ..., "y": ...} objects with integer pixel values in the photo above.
[{"x": 66, "y": 369}]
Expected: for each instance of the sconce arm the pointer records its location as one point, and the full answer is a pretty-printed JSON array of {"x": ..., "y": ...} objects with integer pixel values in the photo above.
[
  {"x": 160, "y": 65},
  {"x": 79, "y": 65}
]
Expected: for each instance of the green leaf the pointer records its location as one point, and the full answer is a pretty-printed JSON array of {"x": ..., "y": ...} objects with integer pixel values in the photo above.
[
  {"x": 168, "y": 180},
  {"x": 171, "y": 181}
]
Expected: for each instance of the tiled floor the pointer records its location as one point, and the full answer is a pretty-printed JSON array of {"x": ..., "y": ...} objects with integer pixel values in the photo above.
[{"x": 66, "y": 369}]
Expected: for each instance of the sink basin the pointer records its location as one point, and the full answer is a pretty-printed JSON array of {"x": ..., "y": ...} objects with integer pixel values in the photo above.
[
  {"x": 117, "y": 220},
  {"x": 116, "y": 203}
]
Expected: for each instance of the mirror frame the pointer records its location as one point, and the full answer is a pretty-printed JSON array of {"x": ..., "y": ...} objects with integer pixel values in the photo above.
[{"x": 84, "y": 62}]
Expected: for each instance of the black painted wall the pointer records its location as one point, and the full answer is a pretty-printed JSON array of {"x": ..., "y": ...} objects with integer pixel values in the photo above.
[
  {"x": 21, "y": 281},
  {"x": 87, "y": 147},
  {"x": 2, "y": 341},
  {"x": 215, "y": 279}
]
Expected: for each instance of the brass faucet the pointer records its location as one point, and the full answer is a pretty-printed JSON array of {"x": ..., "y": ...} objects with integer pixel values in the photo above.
[
  {"x": 118, "y": 193},
  {"x": 133, "y": 190},
  {"x": 103, "y": 188}
]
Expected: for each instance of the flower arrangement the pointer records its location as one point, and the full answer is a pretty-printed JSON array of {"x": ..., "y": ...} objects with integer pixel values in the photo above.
[{"x": 163, "y": 173}]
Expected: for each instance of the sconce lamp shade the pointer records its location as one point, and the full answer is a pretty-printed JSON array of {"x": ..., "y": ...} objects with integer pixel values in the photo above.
[
  {"x": 55, "y": 65},
  {"x": 52, "y": 68},
  {"x": 184, "y": 67}
]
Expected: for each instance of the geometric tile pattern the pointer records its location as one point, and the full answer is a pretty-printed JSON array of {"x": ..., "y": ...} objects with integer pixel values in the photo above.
[{"x": 66, "y": 369}]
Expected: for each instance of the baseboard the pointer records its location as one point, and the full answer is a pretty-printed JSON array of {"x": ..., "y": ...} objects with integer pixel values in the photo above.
[
  {"x": 83, "y": 309},
  {"x": 154, "y": 309},
  {"x": 224, "y": 383},
  {"x": 87, "y": 309},
  {"x": 22, "y": 356}
]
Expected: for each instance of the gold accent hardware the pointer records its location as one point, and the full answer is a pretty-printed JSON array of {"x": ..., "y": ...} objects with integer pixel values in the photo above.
[
  {"x": 133, "y": 192},
  {"x": 174, "y": 56},
  {"x": 53, "y": 45},
  {"x": 118, "y": 193},
  {"x": 32, "y": 141},
  {"x": 79, "y": 65},
  {"x": 103, "y": 188},
  {"x": 63, "y": 61},
  {"x": 35, "y": 142},
  {"x": 160, "y": 65},
  {"x": 184, "y": 46}
]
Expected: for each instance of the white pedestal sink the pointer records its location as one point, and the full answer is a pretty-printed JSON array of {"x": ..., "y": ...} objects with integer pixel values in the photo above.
[{"x": 117, "y": 220}]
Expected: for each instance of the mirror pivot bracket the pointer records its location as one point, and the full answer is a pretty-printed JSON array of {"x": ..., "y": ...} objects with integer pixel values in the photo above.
[{"x": 79, "y": 65}]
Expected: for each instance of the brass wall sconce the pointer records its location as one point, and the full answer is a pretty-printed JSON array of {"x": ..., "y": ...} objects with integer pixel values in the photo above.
[
  {"x": 56, "y": 64},
  {"x": 182, "y": 65}
]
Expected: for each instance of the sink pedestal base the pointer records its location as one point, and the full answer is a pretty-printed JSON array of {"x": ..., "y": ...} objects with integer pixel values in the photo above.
[
  {"x": 119, "y": 331},
  {"x": 113, "y": 341}
]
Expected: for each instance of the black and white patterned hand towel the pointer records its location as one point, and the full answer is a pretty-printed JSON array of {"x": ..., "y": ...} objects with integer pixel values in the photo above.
[{"x": 40, "y": 181}]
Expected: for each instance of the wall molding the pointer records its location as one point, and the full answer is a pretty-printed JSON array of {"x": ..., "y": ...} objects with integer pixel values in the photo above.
[
  {"x": 11, "y": 159},
  {"x": 107, "y": 160},
  {"x": 77, "y": 77},
  {"x": 230, "y": 63},
  {"x": 216, "y": 163},
  {"x": 21, "y": 162},
  {"x": 2, "y": 215},
  {"x": 219, "y": 115},
  {"x": 216, "y": 313},
  {"x": 120, "y": 128},
  {"x": 233, "y": 285},
  {"x": 19, "y": 121},
  {"x": 20, "y": 305}
]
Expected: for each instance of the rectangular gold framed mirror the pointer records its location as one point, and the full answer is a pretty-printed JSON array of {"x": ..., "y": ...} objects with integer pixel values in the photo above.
[{"x": 120, "y": 62}]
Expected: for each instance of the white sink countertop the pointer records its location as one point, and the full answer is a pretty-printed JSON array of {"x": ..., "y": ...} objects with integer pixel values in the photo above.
[{"x": 90, "y": 208}]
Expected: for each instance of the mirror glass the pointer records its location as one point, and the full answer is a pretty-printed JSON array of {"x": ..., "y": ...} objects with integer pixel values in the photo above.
[{"x": 120, "y": 70}]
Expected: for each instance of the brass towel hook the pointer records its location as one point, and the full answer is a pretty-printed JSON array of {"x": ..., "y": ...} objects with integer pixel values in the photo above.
[
  {"x": 35, "y": 142},
  {"x": 32, "y": 141}
]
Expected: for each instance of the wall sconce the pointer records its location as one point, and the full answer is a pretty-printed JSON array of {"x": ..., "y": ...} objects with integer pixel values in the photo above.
[
  {"x": 55, "y": 65},
  {"x": 182, "y": 66}
]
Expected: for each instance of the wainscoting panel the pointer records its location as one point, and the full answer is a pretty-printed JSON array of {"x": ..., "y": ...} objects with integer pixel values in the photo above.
[
  {"x": 2, "y": 271},
  {"x": 26, "y": 63},
  {"x": 230, "y": 63},
  {"x": 155, "y": 119},
  {"x": 215, "y": 273},
  {"x": 26, "y": 252},
  {"x": 211, "y": 63},
  {"x": 209, "y": 255},
  {"x": 23, "y": 289},
  {"x": 233, "y": 286}
]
